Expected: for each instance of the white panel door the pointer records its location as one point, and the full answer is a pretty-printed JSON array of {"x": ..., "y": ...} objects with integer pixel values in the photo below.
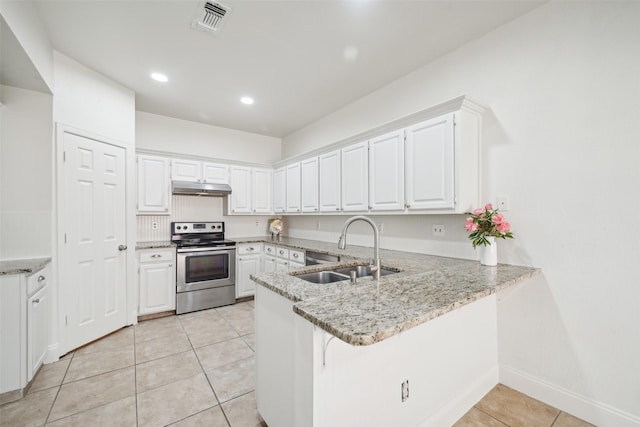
[
  {"x": 280, "y": 190},
  {"x": 429, "y": 165},
  {"x": 186, "y": 170},
  {"x": 330, "y": 183},
  {"x": 154, "y": 185},
  {"x": 93, "y": 279},
  {"x": 293, "y": 188},
  {"x": 240, "y": 181},
  {"x": 309, "y": 182},
  {"x": 262, "y": 190},
  {"x": 355, "y": 179},
  {"x": 386, "y": 171},
  {"x": 215, "y": 173}
]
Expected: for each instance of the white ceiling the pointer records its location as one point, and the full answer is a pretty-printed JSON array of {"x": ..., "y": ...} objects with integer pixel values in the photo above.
[{"x": 288, "y": 55}]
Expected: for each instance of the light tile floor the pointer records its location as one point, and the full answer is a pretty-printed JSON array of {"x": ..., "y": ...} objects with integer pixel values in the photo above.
[{"x": 195, "y": 369}]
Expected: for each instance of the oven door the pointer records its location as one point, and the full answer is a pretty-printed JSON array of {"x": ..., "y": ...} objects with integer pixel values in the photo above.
[{"x": 204, "y": 268}]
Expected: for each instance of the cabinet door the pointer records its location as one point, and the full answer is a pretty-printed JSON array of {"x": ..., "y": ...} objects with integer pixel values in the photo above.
[
  {"x": 246, "y": 266},
  {"x": 269, "y": 264},
  {"x": 282, "y": 265},
  {"x": 330, "y": 183},
  {"x": 429, "y": 164},
  {"x": 262, "y": 186},
  {"x": 280, "y": 190},
  {"x": 154, "y": 185},
  {"x": 37, "y": 329},
  {"x": 240, "y": 181},
  {"x": 355, "y": 179},
  {"x": 186, "y": 170},
  {"x": 157, "y": 287},
  {"x": 215, "y": 173},
  {"x": 293, "y": 188},
  {"x": 309, "y": 180},
  {"x": 386, "y": 171}
]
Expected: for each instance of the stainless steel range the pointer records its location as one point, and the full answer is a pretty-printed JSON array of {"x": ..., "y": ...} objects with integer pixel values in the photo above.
[{"x": 206, "y": 268}]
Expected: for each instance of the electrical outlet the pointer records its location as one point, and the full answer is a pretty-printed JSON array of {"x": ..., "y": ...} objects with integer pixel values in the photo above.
[
  {"x": 502, "y": 203},
  {"x": 381, "y": 228},
  {"x": 437, "y": 230},
  {"x": 317, "y": 225},
  {"x": 405, "y": 390},
  {"x": 154, "y": 225},
  {"x": 257, "y": 223}
]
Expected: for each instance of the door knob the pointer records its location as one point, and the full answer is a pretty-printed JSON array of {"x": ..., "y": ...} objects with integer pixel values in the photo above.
[{"x": 122, "y": 247}]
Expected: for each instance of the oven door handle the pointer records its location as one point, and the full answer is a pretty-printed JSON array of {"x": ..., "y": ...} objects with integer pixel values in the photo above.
[{"x": 206, "y": 249}]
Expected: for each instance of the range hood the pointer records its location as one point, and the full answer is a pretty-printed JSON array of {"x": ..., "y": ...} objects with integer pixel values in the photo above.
[{"x": 200, "y": 189}]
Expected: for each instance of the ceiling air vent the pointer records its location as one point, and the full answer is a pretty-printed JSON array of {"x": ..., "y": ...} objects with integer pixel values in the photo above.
[{"x": 210, "y": 17}]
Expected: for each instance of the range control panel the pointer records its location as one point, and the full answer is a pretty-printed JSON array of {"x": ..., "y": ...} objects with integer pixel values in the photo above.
[{"x": 196, "y": 227}]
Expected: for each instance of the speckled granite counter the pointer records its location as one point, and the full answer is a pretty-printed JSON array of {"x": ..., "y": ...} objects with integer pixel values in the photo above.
[
  {"x": 22, "y": 266},
  {"x": 426, "y": 287},
  {"x": 154, "y": 245}
]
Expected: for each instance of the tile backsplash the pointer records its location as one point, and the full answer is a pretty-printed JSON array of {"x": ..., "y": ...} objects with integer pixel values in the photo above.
[{"x": 193, "y": 208}]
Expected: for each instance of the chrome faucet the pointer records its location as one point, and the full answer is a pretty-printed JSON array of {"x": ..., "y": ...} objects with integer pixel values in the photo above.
[{"x": 342, "y": 242}]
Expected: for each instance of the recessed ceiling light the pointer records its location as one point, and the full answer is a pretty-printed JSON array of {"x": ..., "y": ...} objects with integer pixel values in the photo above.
[
  {"x": 246, "y": 100},
  {"x": 159, "y": 77}
]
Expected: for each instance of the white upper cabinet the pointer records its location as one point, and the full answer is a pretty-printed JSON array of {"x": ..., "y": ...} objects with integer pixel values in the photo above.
[
  {"x": 280, "y": 190},
  {"x": 154, "y": 185},
  {"x": 293, "y": 188},
  {"x": 261, "y": 189},
  {"x": 309, "y": 193},
  {"x": 240, "y": 181},
  {"x": 330, "y": 183},
  {"x": 429, "y": 164},
  {"x": 215, "y": 173},
  {"x": 355, "y": 177},
  {"x": 386, "y": 172},
  {"x": 186, "y": 170},
  {"x": 195, "y": 171}
]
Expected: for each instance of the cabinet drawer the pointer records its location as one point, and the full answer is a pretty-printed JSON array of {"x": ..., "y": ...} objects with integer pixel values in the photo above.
[
  {"x": 254, "y": 248},
  {"x": 155, "y": 255},
  {"x": 37, "y": 281},
  {"x": 270, "y": 250},
  {"x": 282, "y": 252},
  {"x": 296, "y": 256}
]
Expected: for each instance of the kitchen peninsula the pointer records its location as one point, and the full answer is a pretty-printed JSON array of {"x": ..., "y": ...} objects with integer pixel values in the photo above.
[{"x": 419, "y": 347}]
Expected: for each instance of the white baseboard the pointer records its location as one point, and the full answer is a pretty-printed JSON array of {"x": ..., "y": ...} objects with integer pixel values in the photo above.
[
  {"x": 597, "y": 413},
  {"x": 454, "y": 409},
  {"x": 52, "y": 354}
]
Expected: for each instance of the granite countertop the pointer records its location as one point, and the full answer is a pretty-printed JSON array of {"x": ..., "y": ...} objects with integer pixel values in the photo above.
[
  {"x": 23, "y": 266},
  {"x": 426, "y": 287},
  {"x": 155, "y": 245}
]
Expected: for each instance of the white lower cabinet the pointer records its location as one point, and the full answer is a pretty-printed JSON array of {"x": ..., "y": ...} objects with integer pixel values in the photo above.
[
  {"x": 25, "y": 310},
  {"x": 157, "y": 280},
  {"x": 38, "y": 309},
  {"x": 248, "y": 262},
  {"x": 269, "y": 264}
]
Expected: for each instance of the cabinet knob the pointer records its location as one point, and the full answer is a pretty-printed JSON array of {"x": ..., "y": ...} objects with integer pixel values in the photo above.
[
  {"x": 370, "y": 208},
  {"x": 122, "y": 248},
  {"x": 281, "y": 252},
  {"x": 41, "y": 278},
  {"x": 251, "y": 249},
  {"x": 170, "y": 265},
  {"x": 156, "y": 256},
  {"x": 36, "y": 301},
  {"x": 295, "y": 255},
  {"x": 337, "y": 209},
  {"x": 407, "y": 206}
]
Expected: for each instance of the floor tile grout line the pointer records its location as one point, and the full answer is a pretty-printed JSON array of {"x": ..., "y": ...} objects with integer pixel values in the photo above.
[
  {"x": 555, "y": 419},
  {"x": 212, "y": 389},
  {"x": 66, "y": 371},
  {"x": 492, "y": 415}
]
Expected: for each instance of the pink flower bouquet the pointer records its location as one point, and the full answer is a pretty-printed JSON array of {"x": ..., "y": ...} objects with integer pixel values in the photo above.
[{"x": 486, "y": 222}]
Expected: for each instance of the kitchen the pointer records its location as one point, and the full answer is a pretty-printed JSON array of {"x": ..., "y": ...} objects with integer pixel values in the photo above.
[{"x": 558, "y": 137}]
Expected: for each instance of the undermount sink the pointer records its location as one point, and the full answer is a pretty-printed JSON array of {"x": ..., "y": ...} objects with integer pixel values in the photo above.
[
  {"x": 323, "y": 277},
  {"x": 331, "y": 276},
  {"x": 363, "y": 271}
]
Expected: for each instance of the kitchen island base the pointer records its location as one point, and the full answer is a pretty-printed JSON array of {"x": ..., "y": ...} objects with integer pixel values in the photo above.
[{"x": 307, "y": 377}]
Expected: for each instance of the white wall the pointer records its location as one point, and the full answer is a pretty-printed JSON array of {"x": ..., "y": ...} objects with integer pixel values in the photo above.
[
  {"x": 89, "y": 101},
  {"x": 154, "y": 132},
  {"x": 24, "y": 21},
  {"x": 561, "y": 140},
  {"x": 25, "y": 173}
]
